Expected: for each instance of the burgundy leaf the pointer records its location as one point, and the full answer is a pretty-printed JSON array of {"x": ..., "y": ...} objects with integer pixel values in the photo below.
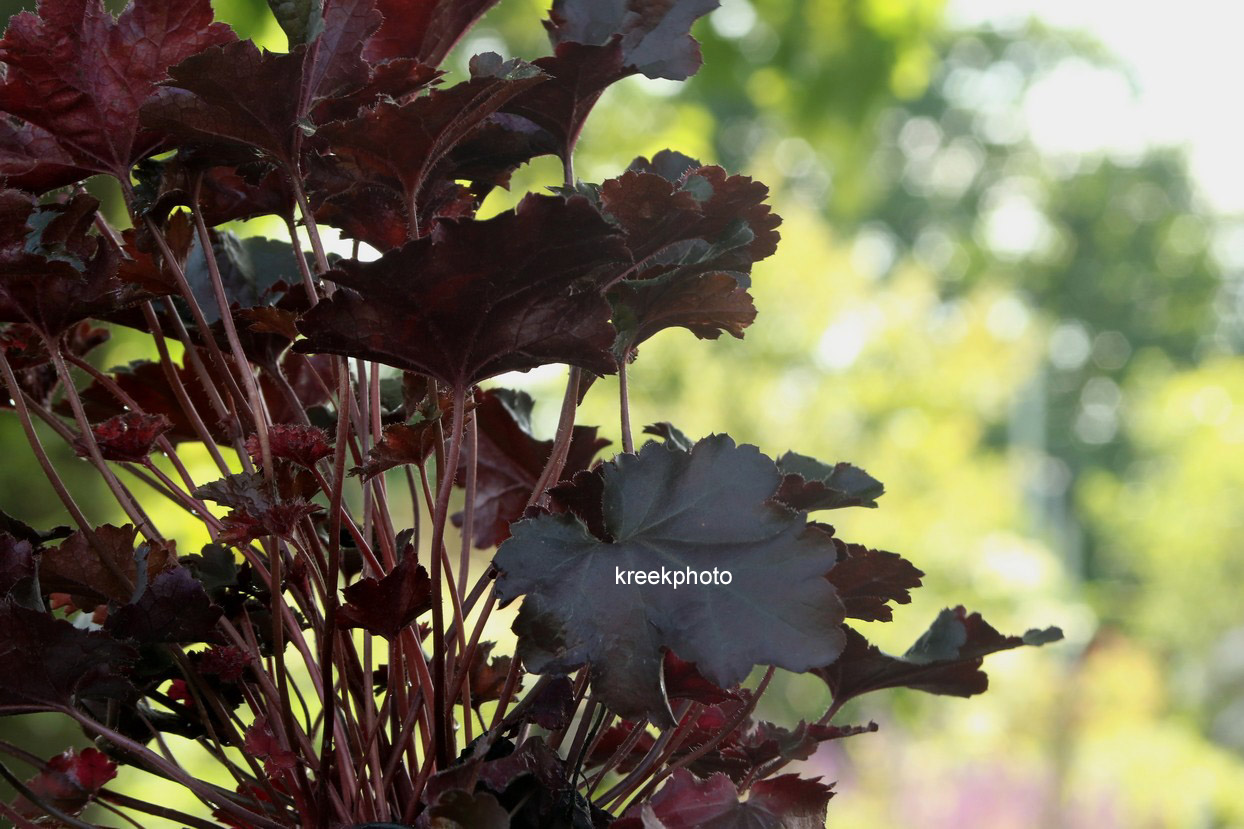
[
  {"x": 684, "y": 681},
  {"x": 31, "y": 159},
  {"x": 425, "y": 30},
  {"x": 583, "y": 497},
  {"x": 687, "y": 802},
  {"x": 80, "y": 77},
  {"x": 811, "y": 485},
  {"x": 19, "y": 577},
  {"x": 262, "y": 744},
  {"x": 128, "y": 437},
  {"x": 510, "y": 461},
  {"x": 479, "y": 298},
  {"x": 867, "y": 579},
  {"x": 256, "y": 510},
  {"x": 95, "y": 576},
  {"x": 599, "y": 43},
  {"x": 236, "y": 94},
  {"x": 671, "y": 512},
  {"x": 174, "y": 608},
  {"x": 458, "y": 809},
  {"x": 388, "y": 605},
  {"x": 68, "y": 783},
  {"x": 945, "y": 660},
  {"x": 46, "y": 661},
  {"x": 488, "y": 675},
  {"x": 400, "y": 444},
  {"x": 397, "y": 145},
  {"x": 147, "y": 384},
  {"x": 226, "y": 662},
  {"x": 302, "y": 445},
  {"x": 53, "y": 274},
  {"x": 552, "y": 704}
]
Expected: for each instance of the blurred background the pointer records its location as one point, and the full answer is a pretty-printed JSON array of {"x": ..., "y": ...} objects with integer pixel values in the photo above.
[{"x": 1010, "y": 286}]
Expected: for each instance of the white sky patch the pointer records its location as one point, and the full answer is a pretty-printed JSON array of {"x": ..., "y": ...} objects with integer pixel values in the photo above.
[{"x": 1186, "y": 62}]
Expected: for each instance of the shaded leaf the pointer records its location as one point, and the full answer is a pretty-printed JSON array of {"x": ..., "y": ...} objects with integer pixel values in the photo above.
[
  {"x": 687, "y": 802},
  {"x": 685, "y": 511},
  {"x": 510, "y": 460},
  {"x": 19, "y": 576},
  {"x": 397, "y": 145},
  {"x": 68, "y": 783},
  {"x": 552, "y": 704},
  {"x": 684, "y": 681},
  {"x": 46, "y": 661},
  {"x": 53, "y": 273},
  {"x": 811, "y": 485},
  {"x": 946, "y": 659},
  {"x": 128, "y": 437},
  {"x": 479, "y": 298},
  {"x": 457, "y": 809},
  {"x": 173, "y": 608},
  {"x": 23, "y": 531},
  {"x": 388, "y": 605},
  {"x": 867, "y": 579},
  {"x": 80, "y": 76},
  {"x": 95, "y": 576},
  {"x": 301, "y": 445}
]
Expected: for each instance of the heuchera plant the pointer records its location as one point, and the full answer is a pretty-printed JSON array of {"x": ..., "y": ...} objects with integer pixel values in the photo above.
[{"x": 327, "y": 661}]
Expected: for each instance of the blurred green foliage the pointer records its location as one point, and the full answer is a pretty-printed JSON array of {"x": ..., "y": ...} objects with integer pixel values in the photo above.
[{"x": 1036, "y": 351}]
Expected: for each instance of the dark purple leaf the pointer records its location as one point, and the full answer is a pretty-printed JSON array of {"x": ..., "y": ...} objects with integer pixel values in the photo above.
[
  {"x": 79, "y": 77},
  {"x": 425, "y": 30},
  {"x": 867, "y": 579},
  {"x": 257, "y": 511},
  {"x": 457, "y": 809},
  {"x": 53, "y": 273},
  {"x": 236, "y": 94},
  {"x": 388, "y": 605},
  {"x": 397, "y": 146},
  {"x": 510, "y": 461},
  {"x": 673, "y": 512},
  {"x": 945, "y": 660},
  {"x": 479, "y": 298},
  {"x": 46, "y": 661},
  {"x": 599, "y": 43},
  {"x": 128, "y": 437},
  {"x": 173, "y": 608},
  {"x": 19, "y": 576},
  {"x": 96, "y": 576},
  {"x": 811, "y": 485},
  {"x": 687, "y": 802}
]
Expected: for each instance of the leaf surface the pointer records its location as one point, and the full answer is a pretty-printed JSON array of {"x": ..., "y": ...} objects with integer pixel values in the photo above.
[
  {"x": 479, "y": 298},
  {"x": 946, "y": 659},
  {"x": 704, "y": 509},
  {"x": 79, "y": 76}
]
